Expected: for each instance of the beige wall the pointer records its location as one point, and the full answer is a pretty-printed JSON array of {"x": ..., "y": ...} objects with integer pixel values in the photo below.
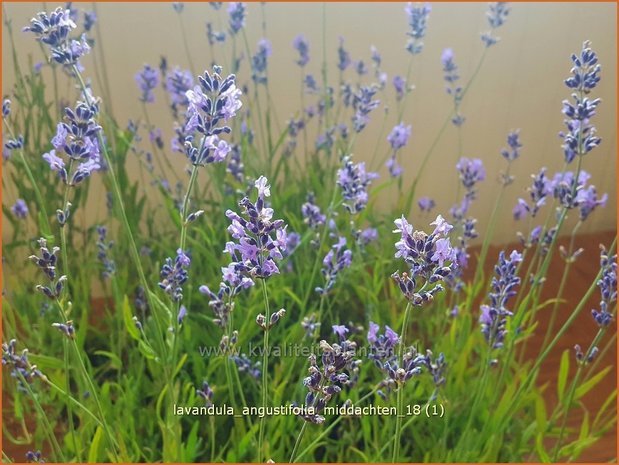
[{"x": 519, "y": 86}]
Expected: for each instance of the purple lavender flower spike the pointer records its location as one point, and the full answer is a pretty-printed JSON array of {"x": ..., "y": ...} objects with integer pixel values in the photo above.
[
  {"x": 260, "y": 60},
  {"x": 514, "y": 144},
  {"x": 104, "y": 247},
  {"x": 451, "y": 76},
  {"x": 211, "y": 103},
  {"x": 493, "y": 317},
  {"x": 581, "y": 137},
  {"x": 6, "y": 108},
  {"x": 76, "y": 137},
  {"x": 245, "y": 365},
  {"x": 214, "y": 36},
  {"x": 588, "y": 201},
  {"x": 338, "y": 368},
  {"x": 34, "y": 457},
  {"x": 608, "y": 288},
  {"x": 426, "y": 256},
  {"x": 18, "y": 363},
  {"x": 174, "y": 275},
  {"x": 395, "y": 170},
  {"x": 417, "y": 16},
  {"x": 90, "y": 19},
  {"x": 20, "y": 209},
  {"x": 237, "y": 13},
  {"x": 255, "y": 250},
  {"x": 399, "y": 84},
  {"x": 337, "y": 259},
  {"x": 399, "y": 135},
  {"x": 206, "y": 393},
  {"x": 471, "y": 171},
  {"x": 354, "y": 181},
  {"x": 47, "y": 262},
  {"x": 497, "y": 14},
  {"x": 177, "y": 83},
  {"x": 301, "y": 45},
  {"x": 426, "y": 204},
  {"x": 344, "y": 60},
  {"x": 53, "y": 30},
  {"x": 363, "y": 103},
  {"x": 147, "y": 80}
]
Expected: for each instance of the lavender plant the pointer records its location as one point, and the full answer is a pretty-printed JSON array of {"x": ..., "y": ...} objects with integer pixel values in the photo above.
[{"x": 159, "y": 246}]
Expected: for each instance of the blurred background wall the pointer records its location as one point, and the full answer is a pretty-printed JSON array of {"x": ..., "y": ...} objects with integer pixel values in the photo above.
[{"x": 520, "y": 84}]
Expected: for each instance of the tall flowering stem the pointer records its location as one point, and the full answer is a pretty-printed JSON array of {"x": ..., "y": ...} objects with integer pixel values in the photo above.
[
  {"x": 532, "y": 373},
  {"x": 430, "y": 259},
  {"x": 496, "y": 18},
  {"x": 607, "y": 284},
  {"x": 399, "y": 394},
  {"x": 509, "y": 154}
]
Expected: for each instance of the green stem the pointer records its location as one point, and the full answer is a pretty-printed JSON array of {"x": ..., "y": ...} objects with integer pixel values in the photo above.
[
  {"x": 133, "y": 249},
  {"x": 545, "y": 352},
  {"x": 572, "y": 392},
  {"x": 400, "y": 397},
  {"x": 265, "y": 368},
  {"x": 297, "y": 442},
  {"x": 48, "y": 428},
  {"x": 35, "y": 186},
  {"x": 566, "y": 272}
]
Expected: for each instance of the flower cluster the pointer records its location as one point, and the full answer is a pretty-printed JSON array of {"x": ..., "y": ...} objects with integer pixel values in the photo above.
[
  {"x": 343, "y": 57},
  {"x": 214, "y": 36},
  {"x": 76, "y": 137},
  {"x": 65, "y": 328},
  {"x": 497, "y": 14},
  {"x": 212, "y": 101},
  {"x": 19, "y": 363},
  {"x": 20, "y": 209},
  {"x": 339, "y": 368},
  {"x": 539, "y": 190},
  {"x": 34, "y": 457},
  {"x": 259, "y": 62},
  {"x": 177, "y": 83},
  {"x": 581, "y": 137},
  {"x": 301, "y": 45},
  {"x": 174, "y": 274},
  {"x": 417, "y": 16},
  {"x": 451, "y": 76},
  {"x": 363, "y": 103},
  {"x": 608, "y": 288},
  {"x": 147, "y": 80},
  {"x": 237, "y": 13},
  {"x": 354, "y": 181},
  {"x": 514, "y": 144},
  {"x": 338, "y": 258},
  {"x": 256, "y": 250},
  {"x": 429, "y": 257},
  {"x": 6, "y": 108},
  {"x": 493, "y": 317},
  {"x": 53, "y": 30},
  {"x": 382, "y": 346},
  {"x": 47, "y": 262},
  {"x": 104, "y": 247},
  {"x": 397, "y": 138},
  {"x": 312, "y": 216},
  {"x": 471, "y": 172},
  {"x": 206, "y": 393},
  {"x": 311, "y": 325},
  {"x": 426, "y": 204}
]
